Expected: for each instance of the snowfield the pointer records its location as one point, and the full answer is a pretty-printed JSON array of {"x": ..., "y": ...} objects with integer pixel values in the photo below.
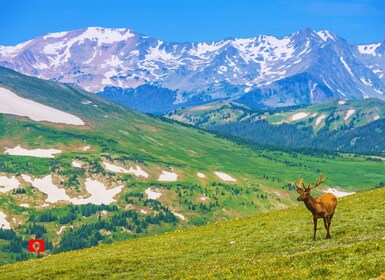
[
  {"x": 4, "y": 224},
  {"x": 152, "y": 194},
  {"x": 349, "y": 114},
  {"x": 98, "y": 191},
  {"x": 114, "y": 168},
  {"x": 168, "y": 176},
  {"x": 13, "y": 104},
  {"x": 138, "y": 172},
  {"x": 42, "y": 153},
  {"x": 299, "y": 116},
  {"x": 8, "y": 184},
  {"x": 225, "y": 177},
  {"x": 338, "y": 193},
  {"x": 46, "y": 186}
]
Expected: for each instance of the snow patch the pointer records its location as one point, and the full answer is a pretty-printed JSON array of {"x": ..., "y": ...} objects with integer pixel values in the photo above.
[
  {"x": 319, "y": 119},
  {"x": 8, "y": 184},
  {"x": 224, "y": 176},
  {"x": 338, "y": 193},
  {"x": 76, "y": 164},
  {"x": 46, "y": 186},
  {"x": 114, "y": 168},
  {"x": 342, "y": 102},
  {"x": 152, "y": 194},
  {"x": 55, "y": 35},
  {"x": 201, "y": 175},
  {"x": 97, "y": 190},
  {"x": 366, "y": 82},
  {"x": 60, "y": 230},
  {"x": 168, "y": 176},
  {"x": 180, "y": 216},
  {"x": 42, "y": 153},
  {"x": 368, "y": 49},
  {"x": 13, "y": 104},
  {"x": 349, "y": 114},
  {"x": 4, "y": 224},
  {"x": 346, "y": 66},
  {"x": 99, "y": 193},
  {"x": 299, "y": 116},
  {"x": 138, "y": 172},
  {"x": 312, "y": 91},
  {"x": 325, "y": 35}
]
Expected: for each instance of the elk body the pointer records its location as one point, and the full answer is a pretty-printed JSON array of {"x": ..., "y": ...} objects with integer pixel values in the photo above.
[{"x": 321, "y": 207}]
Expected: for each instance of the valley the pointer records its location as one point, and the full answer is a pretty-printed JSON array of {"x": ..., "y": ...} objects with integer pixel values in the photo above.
[
  {"x": 339, "y": 124},
  {"x": 144, "y": 175}
]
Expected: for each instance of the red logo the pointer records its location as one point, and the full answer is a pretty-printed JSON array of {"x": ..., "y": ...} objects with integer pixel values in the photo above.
[{"x": 36, "y": 246}]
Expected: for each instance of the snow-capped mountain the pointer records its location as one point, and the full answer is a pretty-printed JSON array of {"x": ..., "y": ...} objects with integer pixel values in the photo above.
[{"x": 302, "y": 68}]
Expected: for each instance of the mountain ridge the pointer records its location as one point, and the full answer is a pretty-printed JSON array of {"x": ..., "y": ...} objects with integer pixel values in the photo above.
[{"x": 96, "y": 58}]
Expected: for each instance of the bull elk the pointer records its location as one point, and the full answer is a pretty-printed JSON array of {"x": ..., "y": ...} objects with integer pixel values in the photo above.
[{"x": 321, "y": 207}]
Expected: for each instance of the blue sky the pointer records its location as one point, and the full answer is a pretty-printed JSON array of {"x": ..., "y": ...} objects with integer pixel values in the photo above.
[{"x": 358, "y": 21}]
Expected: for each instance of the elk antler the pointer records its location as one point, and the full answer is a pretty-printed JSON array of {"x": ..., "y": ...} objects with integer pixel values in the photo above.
[
  {"x": 300, "y": 183},
  {"x": 318, "y": 182}
]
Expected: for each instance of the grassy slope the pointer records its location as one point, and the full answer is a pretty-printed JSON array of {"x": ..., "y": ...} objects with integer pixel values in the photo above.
[
  {"x": 222, "y": 112},
  {"x": 276, "y": 245},
  {"x": 158, "y": 145}
]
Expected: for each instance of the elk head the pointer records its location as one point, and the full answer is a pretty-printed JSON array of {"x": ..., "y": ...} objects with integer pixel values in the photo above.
[{"x": 304, "y": 192}]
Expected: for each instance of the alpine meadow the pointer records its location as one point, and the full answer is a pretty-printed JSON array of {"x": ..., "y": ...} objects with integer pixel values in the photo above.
[{"x": 124, "y": 156}]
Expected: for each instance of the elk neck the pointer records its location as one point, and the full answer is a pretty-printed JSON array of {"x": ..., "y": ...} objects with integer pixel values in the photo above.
[{"x": 310, "y": 203}]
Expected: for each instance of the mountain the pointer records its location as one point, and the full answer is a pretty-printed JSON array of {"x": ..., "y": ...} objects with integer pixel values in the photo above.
[
  {"x": 79, "y": 170},
  {"x": 276, "y": 245},
  {"x": 353, "y": 126},
  {"x": 305, "y": 67}
]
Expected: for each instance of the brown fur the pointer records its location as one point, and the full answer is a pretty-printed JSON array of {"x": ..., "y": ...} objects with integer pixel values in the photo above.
[{"x": 321, "y": 207}]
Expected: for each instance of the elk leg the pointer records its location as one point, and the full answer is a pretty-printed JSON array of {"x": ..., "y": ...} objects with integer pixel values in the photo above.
[
  {"x": 315, "y": 228},
  {"x": 327, "y": 226},
  {"x": 330, "y": 220}
]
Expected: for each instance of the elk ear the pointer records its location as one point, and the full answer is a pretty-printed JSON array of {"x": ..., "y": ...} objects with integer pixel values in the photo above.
[{"x": 298, "y": 190}]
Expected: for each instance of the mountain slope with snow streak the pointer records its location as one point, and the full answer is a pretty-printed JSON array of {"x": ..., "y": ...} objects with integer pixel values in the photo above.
[{"x": 318, "y": 65}]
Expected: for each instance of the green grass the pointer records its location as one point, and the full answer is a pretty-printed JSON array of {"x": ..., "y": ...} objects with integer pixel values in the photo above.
[
  {"x": 129, "y": 137},
  {"x": 276, "y": 245}
]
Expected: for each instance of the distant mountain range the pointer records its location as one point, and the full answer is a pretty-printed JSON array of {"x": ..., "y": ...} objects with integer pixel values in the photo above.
[
  {"x": 305, "y": 67},
  {"x": 353, "y": 126}
]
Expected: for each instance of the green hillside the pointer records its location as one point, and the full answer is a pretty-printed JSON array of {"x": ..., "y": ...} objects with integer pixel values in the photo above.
[
  {"x": 116, "y": 135},
  {"x": 354, "y": 125},
  {"x": 277, "y": 245}
]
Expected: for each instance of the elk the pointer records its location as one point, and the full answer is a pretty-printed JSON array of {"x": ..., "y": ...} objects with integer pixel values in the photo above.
[{"x": 321, "y": 207}]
